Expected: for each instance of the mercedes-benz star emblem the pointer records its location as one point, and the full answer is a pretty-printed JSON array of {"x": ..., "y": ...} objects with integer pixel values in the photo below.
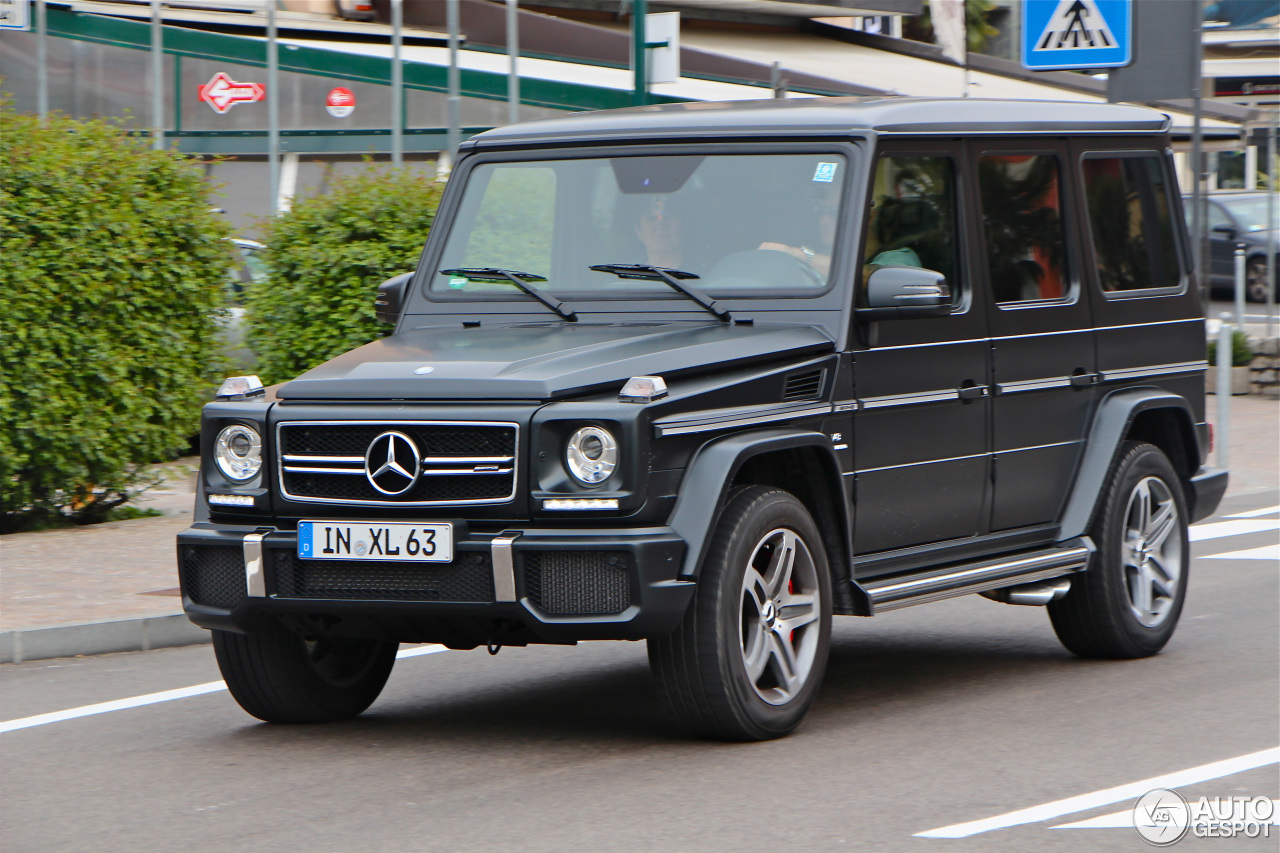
[{"x": 392, "y": 464}]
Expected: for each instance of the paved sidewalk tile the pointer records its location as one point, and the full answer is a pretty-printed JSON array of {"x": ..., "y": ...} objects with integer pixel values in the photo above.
[{"x": 86, "y": 574}]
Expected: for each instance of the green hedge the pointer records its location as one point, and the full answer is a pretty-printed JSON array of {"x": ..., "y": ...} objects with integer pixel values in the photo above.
[
  {"x": 1241, "y": 352},
  {"x": 326, "y": 258},
  {"x": 111, "y": 290}
]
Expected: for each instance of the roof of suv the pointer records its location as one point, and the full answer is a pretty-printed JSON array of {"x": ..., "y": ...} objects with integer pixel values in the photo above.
[{"x": 836, "y": 116}]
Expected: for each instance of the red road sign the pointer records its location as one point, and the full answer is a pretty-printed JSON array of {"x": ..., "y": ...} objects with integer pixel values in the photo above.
[
  {"x": 222, "y": 93},
  {"x": 340, "y": 102}
]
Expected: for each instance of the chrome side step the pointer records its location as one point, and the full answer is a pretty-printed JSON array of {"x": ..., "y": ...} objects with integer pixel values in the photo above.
[{"x": 906, "y": 590}]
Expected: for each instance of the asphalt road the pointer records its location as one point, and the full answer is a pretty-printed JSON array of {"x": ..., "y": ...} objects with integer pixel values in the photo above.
[{"x": 930, "y": 717}]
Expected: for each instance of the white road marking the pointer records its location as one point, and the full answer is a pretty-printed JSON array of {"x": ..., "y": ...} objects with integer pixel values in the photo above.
[
  {"x": 1256, "y": 513},
  {"x": 1218, "y": 529},
  {"x": 1124, "y": 820},
  {"x": 1266, "y": 552},
  {"x": 162, "y": 696},
  {"x": 117, "y": 705},
  {"x": 1131, "y": 791}
]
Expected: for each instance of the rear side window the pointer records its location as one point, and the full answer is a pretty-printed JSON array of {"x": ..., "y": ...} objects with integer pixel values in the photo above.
[
  {"x": 1130, "y": 218},
  {"x": 1022, "y": 221}
]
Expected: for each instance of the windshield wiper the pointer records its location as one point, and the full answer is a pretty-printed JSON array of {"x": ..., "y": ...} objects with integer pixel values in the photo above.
[
  {"x": 518, "y": 279},
  {"x": 672, "y": 278}
]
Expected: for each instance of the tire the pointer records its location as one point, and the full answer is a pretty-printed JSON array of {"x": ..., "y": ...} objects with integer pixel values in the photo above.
[
  {"x": 1255, "y": 280},
  {"x": 1128, "y": 602},
  {"x": 748, "y": 659},
  {"x": 280, "y": 677}
]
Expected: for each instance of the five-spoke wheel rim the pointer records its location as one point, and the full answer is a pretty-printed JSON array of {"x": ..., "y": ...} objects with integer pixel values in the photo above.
[
  {"x": 1152, "y": 552},
  {"x": 778, "y": 623},
  {"x": 1256, "y": 282}
]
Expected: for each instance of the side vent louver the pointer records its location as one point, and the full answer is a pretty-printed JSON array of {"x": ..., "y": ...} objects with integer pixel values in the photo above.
[{"x": 803, "y": 386}]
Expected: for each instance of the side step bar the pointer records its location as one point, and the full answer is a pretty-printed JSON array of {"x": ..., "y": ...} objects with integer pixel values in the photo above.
[{"x": 905, "y": 590}]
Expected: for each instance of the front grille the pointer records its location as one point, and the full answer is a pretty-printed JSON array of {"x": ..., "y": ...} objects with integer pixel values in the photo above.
[
  {"x": 578, "y": 583},
  {"x": 469, "y": 578},
  {"x": 213, "y": 575},
  {"x": 461, "y": 463}
]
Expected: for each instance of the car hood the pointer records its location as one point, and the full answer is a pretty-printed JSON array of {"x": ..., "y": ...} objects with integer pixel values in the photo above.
[{"x": 542, "y": 361}]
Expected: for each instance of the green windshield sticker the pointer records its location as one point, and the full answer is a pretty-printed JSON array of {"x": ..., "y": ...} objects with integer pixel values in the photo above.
[{"x": 459, "y": 281}]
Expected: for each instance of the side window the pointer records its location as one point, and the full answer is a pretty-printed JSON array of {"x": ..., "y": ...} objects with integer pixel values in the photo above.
[
  {"x": 1129, "y": 215},
  {"x": 1022, "y": 226},
  {"x": 913, "y": 217}
]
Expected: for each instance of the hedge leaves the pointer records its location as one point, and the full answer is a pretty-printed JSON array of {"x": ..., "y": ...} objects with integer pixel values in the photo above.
[
  {"x": 327, "y": 257},
  {"x": 111, "y": 286}
]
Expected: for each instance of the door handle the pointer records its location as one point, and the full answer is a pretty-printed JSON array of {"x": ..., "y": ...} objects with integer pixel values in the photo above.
[
  {"x": 971, "y": 392},
  {"x": 1083, "y": 380}
]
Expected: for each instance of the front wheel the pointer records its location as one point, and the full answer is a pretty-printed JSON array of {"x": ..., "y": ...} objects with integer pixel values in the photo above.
[
  {"x": 749, "y": 656},
  {"x": 280, "y": 676},
  {"x": 1128, "y": 602}
]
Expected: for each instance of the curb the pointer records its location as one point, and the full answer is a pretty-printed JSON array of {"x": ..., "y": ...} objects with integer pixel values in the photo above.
[{"x": 100, "y": 638}]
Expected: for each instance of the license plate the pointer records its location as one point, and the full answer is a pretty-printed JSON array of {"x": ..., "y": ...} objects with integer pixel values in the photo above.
[{"x": 387, "y": 540}]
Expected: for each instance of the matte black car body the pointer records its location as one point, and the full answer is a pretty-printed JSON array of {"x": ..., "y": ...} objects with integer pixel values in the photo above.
[{"x": 982, "y": 438}]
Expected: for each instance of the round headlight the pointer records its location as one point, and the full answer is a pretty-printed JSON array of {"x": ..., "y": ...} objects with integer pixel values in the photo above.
[
  {"x": 238, "y": 452},
  {"x": 591, "y": 454}
]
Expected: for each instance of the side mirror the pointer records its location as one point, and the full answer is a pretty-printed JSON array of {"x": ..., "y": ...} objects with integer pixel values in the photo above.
[
  {"x": 1225, "y": 230},
  {"x": 390, "y": 298},
  {"x": 900, "y": 293}
]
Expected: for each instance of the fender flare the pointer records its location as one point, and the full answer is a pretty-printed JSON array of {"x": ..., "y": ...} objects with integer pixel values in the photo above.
[
  {"x": 1110, "y": 425},
  {"x": 705, "y": 488}
]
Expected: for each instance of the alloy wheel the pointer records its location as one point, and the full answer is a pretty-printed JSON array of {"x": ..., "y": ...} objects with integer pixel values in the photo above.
[
  {"x": 1152, "y": 555},
  {"x": 780, "y": 606}
]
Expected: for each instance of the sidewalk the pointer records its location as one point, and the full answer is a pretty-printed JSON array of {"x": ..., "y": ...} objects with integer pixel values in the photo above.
[{"x": 113, "y": 587}]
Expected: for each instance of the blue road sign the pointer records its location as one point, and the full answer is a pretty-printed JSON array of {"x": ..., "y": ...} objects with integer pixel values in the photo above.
[{"x": 1076, "y": 34}]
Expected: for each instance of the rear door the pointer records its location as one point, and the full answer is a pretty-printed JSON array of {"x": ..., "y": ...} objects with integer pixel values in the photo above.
[
  {"x": 1150, "y": 329},
  {"x": 1042, "y": 341}
]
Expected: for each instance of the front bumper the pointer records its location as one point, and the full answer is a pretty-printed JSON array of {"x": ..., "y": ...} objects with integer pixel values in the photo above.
[{"x": 515, "y": 586}]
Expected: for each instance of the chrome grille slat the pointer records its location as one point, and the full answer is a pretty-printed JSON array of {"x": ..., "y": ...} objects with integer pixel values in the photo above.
[{"x": 481, "y": 469}]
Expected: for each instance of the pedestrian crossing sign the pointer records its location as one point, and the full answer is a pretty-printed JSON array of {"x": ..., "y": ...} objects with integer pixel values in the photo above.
[{"x": 1076, "y": 34}]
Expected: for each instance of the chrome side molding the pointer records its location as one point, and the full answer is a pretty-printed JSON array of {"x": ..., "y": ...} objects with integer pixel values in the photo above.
[{"x": 906, "y": 590}]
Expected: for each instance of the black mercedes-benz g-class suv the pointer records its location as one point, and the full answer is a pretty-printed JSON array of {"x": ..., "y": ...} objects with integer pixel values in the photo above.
[{"x": 707, "y": 374}]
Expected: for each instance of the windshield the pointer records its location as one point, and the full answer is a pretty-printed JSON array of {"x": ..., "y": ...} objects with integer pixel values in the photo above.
[
  {"x": 751, "y": 225},
  {"x": 1251, "y": 213}
]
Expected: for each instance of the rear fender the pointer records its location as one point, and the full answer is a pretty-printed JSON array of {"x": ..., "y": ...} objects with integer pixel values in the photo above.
[{"x": 1119, "y": 417}]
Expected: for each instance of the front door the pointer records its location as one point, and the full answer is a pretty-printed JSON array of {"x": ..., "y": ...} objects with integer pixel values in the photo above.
[{"x": 920, "y": 428}]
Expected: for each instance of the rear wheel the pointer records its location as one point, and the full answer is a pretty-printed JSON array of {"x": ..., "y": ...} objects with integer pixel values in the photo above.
[
  {"x": 1128, "y": 603},
  {"x": 748, "y": 659},
  {"x": 280, "y": 676}
]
